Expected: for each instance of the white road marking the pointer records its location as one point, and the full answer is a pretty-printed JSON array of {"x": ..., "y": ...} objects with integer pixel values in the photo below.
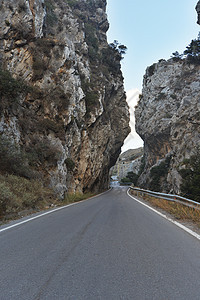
[
  {"x": 49, "y": 212},
  {"x": 167, "y": 218}
]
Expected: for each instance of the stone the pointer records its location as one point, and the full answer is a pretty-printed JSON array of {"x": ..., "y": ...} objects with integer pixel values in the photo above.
[
  {"x": 77, "y": 102},
  {"x": 167, "y": 119}
]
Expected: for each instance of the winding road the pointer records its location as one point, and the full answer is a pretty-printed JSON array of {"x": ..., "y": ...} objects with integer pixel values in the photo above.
[{"x": 108, "y": 247}]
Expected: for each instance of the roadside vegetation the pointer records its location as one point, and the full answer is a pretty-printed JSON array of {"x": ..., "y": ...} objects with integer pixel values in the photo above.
[
  {"x": 177, "y": 210},
  {"x": 20, "y": 196},
  {"x": 21, "y": 189},
  {"x": 76, "y": 197},
  {"x": 190, "y": 172}
]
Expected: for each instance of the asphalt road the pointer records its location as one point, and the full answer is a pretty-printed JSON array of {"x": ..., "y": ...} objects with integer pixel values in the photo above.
[{"x": 109, "y": 247}]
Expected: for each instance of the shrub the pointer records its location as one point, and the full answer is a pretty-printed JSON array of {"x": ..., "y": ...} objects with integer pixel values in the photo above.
[
  {"x": 39, "y": 66},
  {"x": 45, "y": 45},
  {"x": 48, "y": 124},
  {"x": 125, "y": 181},
  {"x": 11, "y": 88},
  {"x": 142, "y": 165},
  {"x": 157, "y": 173},
  {"x": 51, "y": 18},
  {"x": 57, "y": 126},
  {"x": 133, "y": 177},
  {"x": 41, "y": 152},
  {"x": 110, "y": 58},
  {"x": 7, "y": 23},
  {"x": 70, "y": 164},
  {"x": 41, "y": 52},
  {"x": 75, "y": 197},
  {"x": 118, "y": 48},
  {"x": 18, "y": 193},
  {"x": 91, "y": 99},
  {"x": 160, "y": 96},
  {"x": 92, "y": 41},
  {"x": 12, "y": 160},
  {"x": 91, "y": 96},
  {"x": 190, "y": 186}
]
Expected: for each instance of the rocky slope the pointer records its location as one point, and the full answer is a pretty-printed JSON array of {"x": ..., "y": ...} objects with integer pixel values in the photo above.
[{"x": 65, "y": 109}]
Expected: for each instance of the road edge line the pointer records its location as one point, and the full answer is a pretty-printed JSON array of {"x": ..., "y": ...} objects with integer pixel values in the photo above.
[
  {"x": 51, "y": 211},
  {"x": 191, "y": 232}
]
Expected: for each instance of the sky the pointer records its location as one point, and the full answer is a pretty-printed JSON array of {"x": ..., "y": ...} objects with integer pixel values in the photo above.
[{"x": 151, "y": 30}]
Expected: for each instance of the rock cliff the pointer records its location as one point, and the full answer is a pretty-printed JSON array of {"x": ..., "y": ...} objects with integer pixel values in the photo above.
[
  {"x": 62, "y": 97},
  {"x": 168, "y": 120}
]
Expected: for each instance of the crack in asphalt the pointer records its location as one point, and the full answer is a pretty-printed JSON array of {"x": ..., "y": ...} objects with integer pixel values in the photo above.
[{"x": 75, "y": 243}]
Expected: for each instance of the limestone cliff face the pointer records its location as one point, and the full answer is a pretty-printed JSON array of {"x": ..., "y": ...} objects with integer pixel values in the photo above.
[
  {"x": 72, "y": 118},
  {"x": 168, "y": 120}
]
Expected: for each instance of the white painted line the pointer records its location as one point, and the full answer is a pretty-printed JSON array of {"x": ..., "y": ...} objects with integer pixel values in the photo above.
[
  {"x": 50, "y": 212},
  {"x": 167, "y": 218}
]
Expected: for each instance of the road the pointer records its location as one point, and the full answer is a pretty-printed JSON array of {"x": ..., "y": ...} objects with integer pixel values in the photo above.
[{"x": 109, "y": 247}]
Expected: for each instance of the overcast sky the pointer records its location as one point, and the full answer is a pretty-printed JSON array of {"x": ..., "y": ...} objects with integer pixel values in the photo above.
[{"x": 151, "y": 30}]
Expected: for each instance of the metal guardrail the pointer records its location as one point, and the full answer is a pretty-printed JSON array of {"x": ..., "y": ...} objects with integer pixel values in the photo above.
[{"x": 169, "y": 197}]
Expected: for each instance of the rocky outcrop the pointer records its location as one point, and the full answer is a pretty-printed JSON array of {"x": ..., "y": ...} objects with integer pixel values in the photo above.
[
  {"x": 69, "y": 114},
  {"x": 198, "y": 12},
  {"x": 168, "y": 120}
]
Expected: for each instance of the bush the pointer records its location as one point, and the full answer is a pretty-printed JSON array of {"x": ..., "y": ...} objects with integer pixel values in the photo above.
[
  {"x": 133, "y": 177},
  {"x": 48, "y": 124},
  {"x": 91, "y": 100},
  {"x": 109, "y": 59},
  {"x": 12, "y": 160},
  {"x": 91, "y": 96},
  {"x": 45, "y": 45},
  {"x": 125, "y": 181},
  {"x": 11, "y": 88},
  {"x": 158, "y": 173},
  {"x": 70, "y": 164},
  {"x": 41, "y": 152},
  {"x": 190, "y": 187},
  {"x": 51, "y": 18},
  {"x": 75, "y": 197},
  {"x": 39, "y": 67},
  {"x": 18, "y": 193},
  {"x": 142, "y": 165}
]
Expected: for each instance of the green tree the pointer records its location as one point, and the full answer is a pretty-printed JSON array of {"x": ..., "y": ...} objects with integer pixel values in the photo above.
[
  {"x": 133, "y": 177},
  {"x": 121, "y": 49},
  {"x": 193, "y": 48}
]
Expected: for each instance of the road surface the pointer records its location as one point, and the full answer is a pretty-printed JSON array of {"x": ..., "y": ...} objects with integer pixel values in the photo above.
[{"x": 109, "y": 247}]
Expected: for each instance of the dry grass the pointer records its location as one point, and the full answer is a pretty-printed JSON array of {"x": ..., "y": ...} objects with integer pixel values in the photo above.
[
  {"x": 76, "y": 197},
  {"x": 179, "y": 211},
  {"x": 18, "y": 194}
]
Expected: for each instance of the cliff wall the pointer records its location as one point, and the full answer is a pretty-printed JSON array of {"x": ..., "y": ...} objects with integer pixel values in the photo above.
[
  {"x": 168, "y": 120},
  {"x": 62, "y": 97}
]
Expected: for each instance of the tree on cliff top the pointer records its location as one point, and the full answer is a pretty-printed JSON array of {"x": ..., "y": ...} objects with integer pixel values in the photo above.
[{"x": 121, "y": 49}]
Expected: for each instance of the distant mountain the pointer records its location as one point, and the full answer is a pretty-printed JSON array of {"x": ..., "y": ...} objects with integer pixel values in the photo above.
[{"x": 129, "y": 161}]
